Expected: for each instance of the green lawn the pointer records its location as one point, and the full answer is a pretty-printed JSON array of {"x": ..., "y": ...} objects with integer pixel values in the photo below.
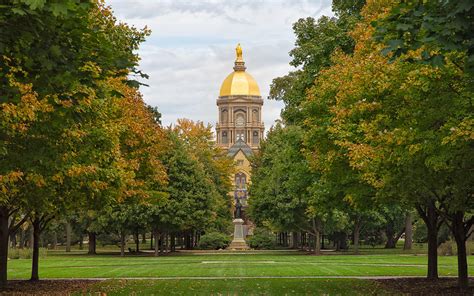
[
  {"x": 74, "y": 265},
  {"x": 239, "y": 287}
]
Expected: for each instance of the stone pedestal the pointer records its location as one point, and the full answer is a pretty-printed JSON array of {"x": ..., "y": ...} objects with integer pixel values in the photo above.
[{"x": 238, "y": 243}]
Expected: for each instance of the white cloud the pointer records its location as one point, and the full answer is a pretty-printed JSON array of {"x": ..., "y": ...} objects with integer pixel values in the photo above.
[{"x": 191, "y": 49}]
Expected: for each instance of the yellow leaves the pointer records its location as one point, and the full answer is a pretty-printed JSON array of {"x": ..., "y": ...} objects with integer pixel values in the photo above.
[
  {"x": 97, "y": 185},
  {"x": 80, "y": 170},
  {"x": 9, "y": 180},
  {"x": 11, "y": 177},
  {"x": 58, "y": 178},
  {"x": 19, "y": 113},
  {"x": 74, "y": 133},
  {"x": 91, "y": 68},
  {"x": 464, "y": 131},
  {"x": 36, "y": 179},
  {"x": 360, "y": 155},
  {"x": 414, "y": 148},
  {"x": 195, "y": 132},
  {"x": 349, "y": 198}
]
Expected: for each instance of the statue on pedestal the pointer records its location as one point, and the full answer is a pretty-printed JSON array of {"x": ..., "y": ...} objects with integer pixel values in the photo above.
[{"x": 238, "y": 209}]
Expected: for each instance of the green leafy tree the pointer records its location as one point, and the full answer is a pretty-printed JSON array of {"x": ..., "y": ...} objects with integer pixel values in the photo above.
[
  {"x": 59, "y": 57},
  {"x": 315, "y": 43},
  {"x": 281, "y": 181},
  {"x": 406, "y": 128},
  {"x": 191, "y": 193},
  {"x": 435, "y": 27}
]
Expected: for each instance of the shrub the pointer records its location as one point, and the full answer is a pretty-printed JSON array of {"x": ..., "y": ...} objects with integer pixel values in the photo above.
[
  {"x": 420, "y": 233},
  {"x": 214, "y": 241},
  {"x": 262, "y": 239},
  {"x": 109, "y": 239},
  {"x": 446, "y": 249},
  {"x": 449, "y": 248},
  {"x": 25, "y": 253}
]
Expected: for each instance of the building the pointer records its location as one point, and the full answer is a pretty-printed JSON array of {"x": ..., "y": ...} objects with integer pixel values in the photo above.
[{"x": 240, "y": 128}]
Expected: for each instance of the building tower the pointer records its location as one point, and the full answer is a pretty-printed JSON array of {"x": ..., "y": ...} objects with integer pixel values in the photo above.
[{"x": 240, "y": 128}]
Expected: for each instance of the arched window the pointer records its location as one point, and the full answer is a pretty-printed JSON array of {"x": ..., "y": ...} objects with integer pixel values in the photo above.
[
  {"x": 240, "y": 181},
  {"x": 224, "y": 138},
  {"x": 224, "y": 116},
  {"x": 255, "y": 115},
  {"x": 255, "y": 137}
]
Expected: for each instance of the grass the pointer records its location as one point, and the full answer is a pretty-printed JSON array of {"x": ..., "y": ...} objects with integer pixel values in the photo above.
[
  {"x": 79, "y": 265},
  {"x": 238, "y": 287},
  {"x": 231, "y": 273}
]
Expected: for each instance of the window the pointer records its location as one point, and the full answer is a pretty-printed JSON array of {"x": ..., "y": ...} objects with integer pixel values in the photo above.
[
  {"x": 255, "y": 115},
  {"x": 225, "y": 116},
  {"x": 224, "y": 138},
  {"x": 255, "y": 139},
  {"x": 239, "y": 135},
  {"x": 240, "y": 181},
  {"x": 240, "y": 162}
]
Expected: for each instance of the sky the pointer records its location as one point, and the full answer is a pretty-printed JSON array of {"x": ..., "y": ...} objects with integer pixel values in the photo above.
[{"x": 192, "y": 49}]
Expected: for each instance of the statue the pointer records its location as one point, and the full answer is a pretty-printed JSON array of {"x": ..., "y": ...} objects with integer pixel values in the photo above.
[
  {"x": 238, "y": 52},
  {"x": 238, "y": 209}
]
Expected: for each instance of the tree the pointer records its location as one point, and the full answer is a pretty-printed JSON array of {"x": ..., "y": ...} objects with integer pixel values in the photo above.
[
  {"x": 315, "y": 43},
  {"x": 217, "y": 165},
  {"x": 281, "y": 182},
  {"x": 192, "y": 195},
  {"x": 64, "y": 54},
  {"x": 405, "y": 127}
]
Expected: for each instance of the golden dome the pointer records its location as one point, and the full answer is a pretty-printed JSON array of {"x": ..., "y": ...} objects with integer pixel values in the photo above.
[{"x": 239, "y": 82}]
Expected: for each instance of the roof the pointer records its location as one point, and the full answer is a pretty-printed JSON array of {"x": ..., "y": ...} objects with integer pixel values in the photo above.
[
  {"x": 239, "y": 83},
  {"x": 240, "y": 145}
]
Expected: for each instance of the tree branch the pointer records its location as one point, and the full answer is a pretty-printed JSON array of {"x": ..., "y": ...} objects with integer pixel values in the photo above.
[{"x": 13, "y": 228}]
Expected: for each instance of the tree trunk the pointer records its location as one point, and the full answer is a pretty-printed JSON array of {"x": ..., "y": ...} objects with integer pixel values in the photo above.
[
  {"x": 122, "y": 244},
  {"x": 92, "y": 243},
  {"x": 173, "y": 242},
  {"x": 144, "y": 238},
  {"x": 137, "y": 241},
  {"x": 430, "y": 217},
  {"x": 157, "y": 242},
  {"x": 187, "y": 241},
  {"x": 68, "y": 237},
  {"x": 295, "y": 239},
  {"x": 317, "y": 246},
  {"x": 460, "y": 235},
  {"x": 408, "y": 232},
  {"x": 36, "y": 237},
  {"x": 22, "y": 239},
  {"x": 356, "y": 235},
  {"x": 31, "y": 240},
  {"x": 151, "y": 240},
  {"x": 390, "y": 232},
  {"x": 55, "y": 240},
  {"x": 317, "y": 236},
  {"x": 162, "y": 241},
  {"x": 3, "y": 246},
  {"x": 13, "y": 240}
]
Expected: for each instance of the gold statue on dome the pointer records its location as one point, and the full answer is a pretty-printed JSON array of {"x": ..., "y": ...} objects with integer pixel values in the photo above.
[{"x": 238, "y": 52}]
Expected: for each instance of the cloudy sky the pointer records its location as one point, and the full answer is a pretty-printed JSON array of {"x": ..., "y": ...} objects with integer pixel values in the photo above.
[{"x": 192, "y": 48}]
